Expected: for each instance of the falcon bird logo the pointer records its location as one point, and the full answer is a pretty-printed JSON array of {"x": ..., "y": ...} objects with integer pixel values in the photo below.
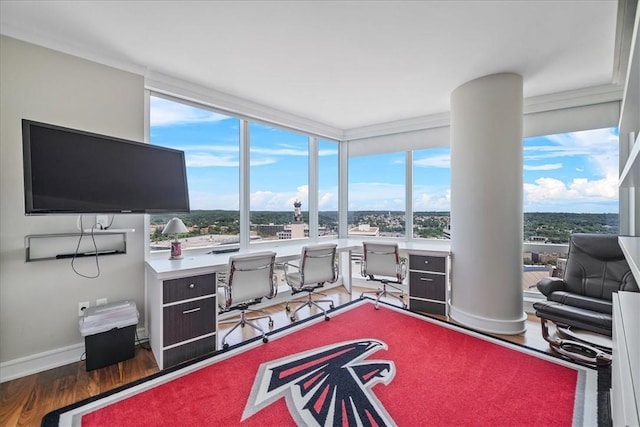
[{"x": 326, "y": 386}]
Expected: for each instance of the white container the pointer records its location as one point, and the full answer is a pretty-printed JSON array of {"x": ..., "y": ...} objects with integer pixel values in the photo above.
[{"x": 104, "y": 318}]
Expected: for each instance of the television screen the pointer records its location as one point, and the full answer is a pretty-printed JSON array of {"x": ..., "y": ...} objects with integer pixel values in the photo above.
[{"x": 72, "y": 171}]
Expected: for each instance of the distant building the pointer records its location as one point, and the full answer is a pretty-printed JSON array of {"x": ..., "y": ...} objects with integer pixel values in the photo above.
[
  {"x": 298, "y": 229},
  {"x": 269, "y": 229},
  {"x": 364, "y": 230}
]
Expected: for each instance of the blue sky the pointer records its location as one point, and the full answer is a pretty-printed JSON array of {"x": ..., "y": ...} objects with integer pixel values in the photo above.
[{"x": 573, "y": 172}]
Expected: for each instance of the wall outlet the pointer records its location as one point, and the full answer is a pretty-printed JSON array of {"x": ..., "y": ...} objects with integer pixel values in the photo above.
[
  {"x": 102, "y": 222},
  {"x": 82, "y": 306},
  {"x": 101, "y": 301}
]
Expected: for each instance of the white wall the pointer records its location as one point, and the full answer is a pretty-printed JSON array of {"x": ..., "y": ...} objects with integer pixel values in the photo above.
[{"x": 39, "y": 300}]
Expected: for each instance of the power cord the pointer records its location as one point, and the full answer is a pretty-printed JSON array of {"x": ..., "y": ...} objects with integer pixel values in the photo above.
[
  {"x": 139, "y": 342},
  {"x": 95, "y": 248}
]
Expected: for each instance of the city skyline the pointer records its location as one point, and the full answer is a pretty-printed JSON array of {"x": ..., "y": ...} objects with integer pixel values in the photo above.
[{"x": 571, "y": 172}]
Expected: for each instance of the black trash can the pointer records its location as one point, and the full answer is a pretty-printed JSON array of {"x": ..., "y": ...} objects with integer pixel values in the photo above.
[{"x": 109, "y": 333}]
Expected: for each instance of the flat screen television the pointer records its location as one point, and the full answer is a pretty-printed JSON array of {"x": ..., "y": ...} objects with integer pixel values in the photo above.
[{"x": 68, "y": 171}]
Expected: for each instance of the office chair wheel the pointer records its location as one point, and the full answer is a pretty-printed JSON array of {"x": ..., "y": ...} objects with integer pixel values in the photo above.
[
  {"x": 287, "y": 308},
  {"x": 327, "y": 318},
  {"x": 265, "y": 340},
  {"x": 293, "y": 318},
  {"x": 225, "y": 346}
]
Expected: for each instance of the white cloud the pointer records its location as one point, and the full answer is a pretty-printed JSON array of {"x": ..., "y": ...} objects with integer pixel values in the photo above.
[
  {"x": 327, "y": 152},
  {"x": 551, "y": 190},
  {"x": 282, "y": 201},
  {"x": 167, "y": 113},
  {"x": 600, "y": 148},
  {"x": 203, "y": 160},
  {"x": 437, "y": 161},
  {"x": 281, "y": 151},
  {"x": 328, "y": 201},
  {"x": 426, "y": 199},
  {"x": 376, "y": 196},
  {"x": 547, "y": 167}
]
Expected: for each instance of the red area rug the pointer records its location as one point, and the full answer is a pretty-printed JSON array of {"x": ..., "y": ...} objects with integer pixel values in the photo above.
[{"x": 364, "y": 367}]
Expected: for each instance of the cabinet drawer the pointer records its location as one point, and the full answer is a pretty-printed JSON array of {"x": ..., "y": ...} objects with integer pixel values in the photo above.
[
  {"x": 189, "y": 320},
  {"x": 427, "y": 263},
  {"x": 427, "y": 285},
  {"x": 427, "y": 306},
  {"x": 185, "y": 352},
  {"x": 188, "y": 287}
]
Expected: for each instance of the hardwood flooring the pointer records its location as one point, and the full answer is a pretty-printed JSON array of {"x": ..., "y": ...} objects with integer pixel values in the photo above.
[{"x": 24, "y": 401}]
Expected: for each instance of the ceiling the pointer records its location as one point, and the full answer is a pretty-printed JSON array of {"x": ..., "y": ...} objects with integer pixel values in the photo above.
[{"x": 345, "y": 64}]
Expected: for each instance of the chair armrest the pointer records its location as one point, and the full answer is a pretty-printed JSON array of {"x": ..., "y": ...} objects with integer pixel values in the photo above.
[
  {"x": 402, "y": 269},
  {"x": 285, "y": 267},
  {"x": 274, "y": 287},
  {"x": 547, "y": 285}
]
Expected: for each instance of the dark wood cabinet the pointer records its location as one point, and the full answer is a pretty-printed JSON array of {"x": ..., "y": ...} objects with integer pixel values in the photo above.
[
  {"x": 183, "y": 318},
  {"x": 428, "y": 283}
]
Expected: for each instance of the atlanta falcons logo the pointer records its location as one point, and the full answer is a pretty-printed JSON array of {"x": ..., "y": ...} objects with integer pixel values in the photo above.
[{"x": 326, "y": 386}]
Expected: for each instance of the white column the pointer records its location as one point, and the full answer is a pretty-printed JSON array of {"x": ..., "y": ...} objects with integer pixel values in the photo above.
[{"x": 486, "y": 204}]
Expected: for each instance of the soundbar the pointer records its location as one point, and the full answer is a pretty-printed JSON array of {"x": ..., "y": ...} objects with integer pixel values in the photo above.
[{"x": 85, "y": 254}]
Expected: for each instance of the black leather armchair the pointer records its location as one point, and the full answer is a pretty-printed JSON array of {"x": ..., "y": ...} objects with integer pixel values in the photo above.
[{"x": 596, "y": 267}]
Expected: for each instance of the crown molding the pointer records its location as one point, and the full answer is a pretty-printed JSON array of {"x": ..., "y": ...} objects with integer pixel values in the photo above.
[
  {"x": 573, "y": 98},
  {"x": 77, "y": 50},
  {"x": 239, "y": 107},
  {"x": 399, "y": 126},
  {"x": 536, "y": 104}
]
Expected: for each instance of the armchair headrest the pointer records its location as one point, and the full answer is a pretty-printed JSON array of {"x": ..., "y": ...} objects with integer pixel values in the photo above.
[{"x": 604, "y": 247}]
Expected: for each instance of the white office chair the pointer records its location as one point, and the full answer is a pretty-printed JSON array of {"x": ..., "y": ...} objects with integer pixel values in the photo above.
[
  {"x": 317, "y": 267},
  {"x": 382, "y": 262},
  {"x": 249, "y": 279}
]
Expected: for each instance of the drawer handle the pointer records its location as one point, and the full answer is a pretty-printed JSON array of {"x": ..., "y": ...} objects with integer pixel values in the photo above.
[
  {"x": 193, "y": 310},
  {"x": 191, "y": 286},
  {"x": 426, "y": 279}
]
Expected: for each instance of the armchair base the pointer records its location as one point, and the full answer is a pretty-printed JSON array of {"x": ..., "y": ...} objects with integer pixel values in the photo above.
[
  {"x": 573, "y": 349},
  {"x": 399, "y": 294},
  {"x": 308, "y": 302},
  {"x": 244, "y": 320}
]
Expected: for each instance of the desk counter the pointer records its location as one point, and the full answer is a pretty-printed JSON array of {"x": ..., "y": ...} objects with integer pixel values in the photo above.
[{"x": 181, "y": 295}]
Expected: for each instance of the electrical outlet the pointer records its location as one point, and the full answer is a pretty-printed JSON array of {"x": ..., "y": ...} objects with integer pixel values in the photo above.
[
  {"x": 101, "y": 301},
  {"x": 102, "y": 222},
  {"x": 82, "y": 306}
]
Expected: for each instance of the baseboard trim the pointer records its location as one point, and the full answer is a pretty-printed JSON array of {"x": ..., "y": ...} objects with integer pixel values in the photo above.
[{"x": 33, "y": 364}]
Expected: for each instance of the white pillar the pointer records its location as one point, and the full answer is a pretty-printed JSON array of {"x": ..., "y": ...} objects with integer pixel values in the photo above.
[{"x": 486, "y": 204}]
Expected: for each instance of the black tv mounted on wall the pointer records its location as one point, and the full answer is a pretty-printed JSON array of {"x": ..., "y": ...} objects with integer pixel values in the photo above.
[{"x": 69, "y": 171}]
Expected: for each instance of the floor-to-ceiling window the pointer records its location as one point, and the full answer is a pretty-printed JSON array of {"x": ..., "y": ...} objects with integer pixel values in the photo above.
[
  {"x": 327, "y": 188},
  {"x": 432, "y": 193},
  {"x": 377, "y": 195},
  {"x": 570, "y": 186},
  {"x": 279, "y": 175},
  {"x": 210, "y": 141}
]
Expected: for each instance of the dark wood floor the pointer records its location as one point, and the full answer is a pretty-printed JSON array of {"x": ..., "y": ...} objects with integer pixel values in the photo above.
[{"x": 24, "y": 401}]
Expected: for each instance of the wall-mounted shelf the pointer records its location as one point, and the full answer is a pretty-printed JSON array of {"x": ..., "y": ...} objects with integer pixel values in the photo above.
[{"x": 42, "y": 247}]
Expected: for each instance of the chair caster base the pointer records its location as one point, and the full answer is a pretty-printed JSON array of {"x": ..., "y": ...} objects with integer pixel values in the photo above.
[{"x": 265, "y": 340}]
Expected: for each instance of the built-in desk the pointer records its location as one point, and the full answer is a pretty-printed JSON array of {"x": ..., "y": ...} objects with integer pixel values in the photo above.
[{"x": 181, "y": 294}]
